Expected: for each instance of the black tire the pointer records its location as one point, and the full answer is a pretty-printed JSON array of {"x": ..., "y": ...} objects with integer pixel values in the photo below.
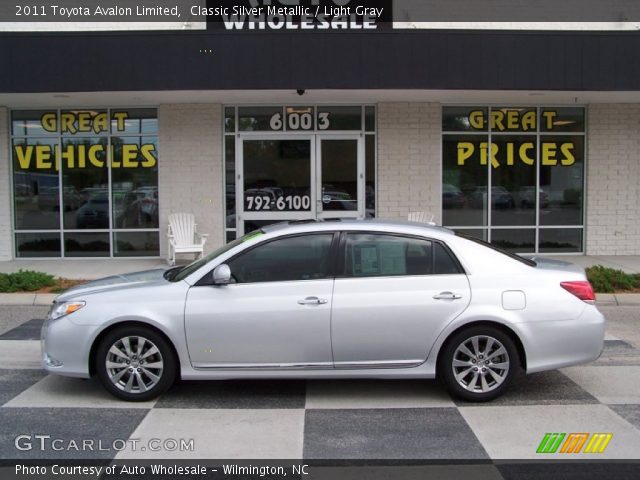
[
  {"x": 466, "y": 388},
  {"x": 147, "y": 382}
]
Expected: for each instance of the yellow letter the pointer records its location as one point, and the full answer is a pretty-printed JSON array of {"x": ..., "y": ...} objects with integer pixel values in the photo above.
[
  {"x": 510, "y": 153},
  {"x": 120, "y": 117},
  {"x": 129, "y": 154},
  {"x": 529, "y": 121},
  {"x": 93, "y": 155},
  {"x": 549, "y": 115},
  {"x": 150, "y": 160},
  {"x": 496, "y": 120},
  {"x": 549, "y": 154},
  {"x": 84, "y": 121},
  {"x": 523, "y": 153},
  {"x": 476, "y": 119},
  {"x": 567, "y": 151},
  {"x": 66, "y": 123},
  {"x": 24, "y": 153},
  {"x": 48, "y": 122},
  {"x": 494, "y": 153},
  {"x": 512, "y": 119},
  {"x": 68, "y": 154},
  {"x": 101, "y": 123},
  {"x": 43, "y": 157},
  {"x": 465, "y": 150}
]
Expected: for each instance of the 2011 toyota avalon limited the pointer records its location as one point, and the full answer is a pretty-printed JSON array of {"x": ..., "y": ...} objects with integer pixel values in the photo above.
[{"x": 349, "y": 299}]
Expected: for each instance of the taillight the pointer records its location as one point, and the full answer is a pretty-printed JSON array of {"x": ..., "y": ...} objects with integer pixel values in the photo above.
[{"x": 581, "y": 289}]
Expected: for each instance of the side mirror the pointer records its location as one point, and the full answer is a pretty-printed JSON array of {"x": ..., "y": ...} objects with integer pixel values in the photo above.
[{"x": 222, "y": 275}]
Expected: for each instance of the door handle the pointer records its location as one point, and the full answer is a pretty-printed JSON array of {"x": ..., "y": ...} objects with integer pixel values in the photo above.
[
  {"x": 447, "y": 296},
  {"x": 312, "y": 301}
]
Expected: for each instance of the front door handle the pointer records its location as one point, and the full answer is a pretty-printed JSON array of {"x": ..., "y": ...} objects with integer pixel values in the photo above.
[
  {"x": 447, "y": 296},
  {"x": 313, "y": 301}
]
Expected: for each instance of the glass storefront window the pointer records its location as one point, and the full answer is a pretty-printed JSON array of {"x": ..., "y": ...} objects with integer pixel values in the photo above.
[
  {"x": 527, "y": 170},
  {"x": 464, "y": 181},
  {"x": 36, "y": 185},
  {"x": 96, "y": 172},
  {"x": 256, "y": 119}
]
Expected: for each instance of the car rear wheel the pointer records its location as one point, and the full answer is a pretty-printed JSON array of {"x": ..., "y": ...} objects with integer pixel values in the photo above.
[
  {"x": 135, "y": 363},
  {"x": 478, "y": 364}
]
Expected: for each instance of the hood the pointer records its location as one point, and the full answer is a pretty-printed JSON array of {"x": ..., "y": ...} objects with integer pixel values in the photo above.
[
  {"x": 552, "y": 264},
  {"x": 113, "y": 282}
]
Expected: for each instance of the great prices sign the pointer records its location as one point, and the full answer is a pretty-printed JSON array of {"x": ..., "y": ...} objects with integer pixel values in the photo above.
[
  {"x": 521, "y": 147},
  {"x": 75, "y": 153}
]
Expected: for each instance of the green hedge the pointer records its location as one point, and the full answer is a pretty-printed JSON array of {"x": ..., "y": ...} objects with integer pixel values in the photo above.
[
  {"x": 610, "y": 280},
  {"x": 25, "y": 281}
]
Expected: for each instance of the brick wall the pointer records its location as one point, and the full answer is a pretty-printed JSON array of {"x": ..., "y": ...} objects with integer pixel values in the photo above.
[
  {"x": 190, "y": 168},
  {"x": 613, "y": 180},
  {"x": 6, "y": 243},
  {"x": 409, "y": 159}
]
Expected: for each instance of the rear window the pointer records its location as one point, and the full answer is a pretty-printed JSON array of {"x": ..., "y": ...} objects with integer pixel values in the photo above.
[{"x": 513, "y": 256}]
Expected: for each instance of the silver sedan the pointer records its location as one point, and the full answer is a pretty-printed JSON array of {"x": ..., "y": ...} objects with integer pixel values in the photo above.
[{"x": 350, "y": 299}]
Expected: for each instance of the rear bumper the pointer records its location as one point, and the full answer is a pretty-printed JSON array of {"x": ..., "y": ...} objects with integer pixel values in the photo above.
[{"x": 556, "y": 344}]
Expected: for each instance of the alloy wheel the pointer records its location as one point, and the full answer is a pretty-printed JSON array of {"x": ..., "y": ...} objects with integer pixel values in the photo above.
[
  {"x": 134, "y": 364},
  {"x": 480, "y": 364}
]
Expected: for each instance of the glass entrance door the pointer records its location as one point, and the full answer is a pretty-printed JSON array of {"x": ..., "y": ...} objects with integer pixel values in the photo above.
[
  {"x": 298, "y": 178},
  {"x": 340, "y": 176},
  {"x": 276, "y": 181}
]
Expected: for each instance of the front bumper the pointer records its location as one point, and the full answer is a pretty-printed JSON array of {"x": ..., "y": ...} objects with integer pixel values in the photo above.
[{"x": 65, "y": 347}]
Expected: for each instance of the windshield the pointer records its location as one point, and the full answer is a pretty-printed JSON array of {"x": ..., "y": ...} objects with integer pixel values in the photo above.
[
  {"x": 513, "y": 256},
  {"x": 184, "y": 272}
]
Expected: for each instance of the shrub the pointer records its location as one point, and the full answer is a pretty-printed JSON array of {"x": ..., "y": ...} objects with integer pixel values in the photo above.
[
  {"x": 610, "y": 280},
  {"x": 25, "y": 281}
]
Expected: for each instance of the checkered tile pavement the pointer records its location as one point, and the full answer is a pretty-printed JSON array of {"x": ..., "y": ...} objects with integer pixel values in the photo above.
[{"x": 322, "y": 419}]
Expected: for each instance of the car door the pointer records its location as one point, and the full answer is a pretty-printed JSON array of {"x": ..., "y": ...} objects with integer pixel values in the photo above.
[
  {"x": 276, "y": 314},
  {"x": 395, "y": 296}
]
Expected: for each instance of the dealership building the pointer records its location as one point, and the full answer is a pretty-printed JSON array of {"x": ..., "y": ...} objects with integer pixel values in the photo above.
[{"x": 529, "y": 139}]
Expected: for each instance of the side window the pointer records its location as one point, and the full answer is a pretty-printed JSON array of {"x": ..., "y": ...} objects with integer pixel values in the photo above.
[
  {"x": 443, "y": 261},
  {"x": 293, "y": 258},
  {"x": 379, "y": 255}
]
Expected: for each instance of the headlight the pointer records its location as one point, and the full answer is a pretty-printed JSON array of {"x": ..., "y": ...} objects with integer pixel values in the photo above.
[{"x": 62, "y": 309}]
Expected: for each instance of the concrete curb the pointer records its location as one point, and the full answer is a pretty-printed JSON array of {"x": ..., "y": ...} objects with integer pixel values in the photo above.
[
  {"x": 27, "y": 299},
  {"x": 45, "y": 299},
  {"x": 618, "y": 299}
]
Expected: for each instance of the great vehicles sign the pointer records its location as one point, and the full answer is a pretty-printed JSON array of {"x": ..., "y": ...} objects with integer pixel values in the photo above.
[{"x": 77, "y": 150}]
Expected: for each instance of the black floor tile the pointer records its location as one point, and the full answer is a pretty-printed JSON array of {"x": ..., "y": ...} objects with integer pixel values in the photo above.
[
  {"x": 403, "y": 433},
  {"x": 67, "y": 425},
  {"x": 29, "y": 330},
  {"x": 235, "y": 394},
  {"x": 14, "y": 382},
  {"x": 544, "y": 388}
]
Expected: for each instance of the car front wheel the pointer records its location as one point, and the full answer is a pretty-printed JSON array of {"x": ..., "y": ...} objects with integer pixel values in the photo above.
[
  {"x": 478, "y": 364},
  {"x": 135, "y": 363}
]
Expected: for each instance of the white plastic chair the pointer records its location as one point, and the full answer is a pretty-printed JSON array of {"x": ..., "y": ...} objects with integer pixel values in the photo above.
[
  {"x": 421, "y": 217},
  {"x": 184, "y": 237}
]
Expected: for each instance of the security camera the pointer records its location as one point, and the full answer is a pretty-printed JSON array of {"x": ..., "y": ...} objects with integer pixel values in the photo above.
[{"x": 301, "y": 91}]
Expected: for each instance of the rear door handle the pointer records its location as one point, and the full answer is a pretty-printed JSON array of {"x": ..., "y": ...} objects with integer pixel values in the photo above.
[
  {"x": 313, "y": 301},
  {"x": 447, "y": 296}
]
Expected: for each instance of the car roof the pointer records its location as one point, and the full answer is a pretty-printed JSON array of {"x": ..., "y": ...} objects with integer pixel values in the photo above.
[{"x": 349, "y": 224}]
